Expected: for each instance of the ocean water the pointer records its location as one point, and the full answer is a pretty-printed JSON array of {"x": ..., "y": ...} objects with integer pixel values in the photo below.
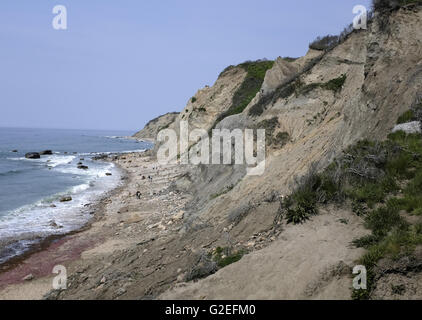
[{"x": 30, "y": 189}]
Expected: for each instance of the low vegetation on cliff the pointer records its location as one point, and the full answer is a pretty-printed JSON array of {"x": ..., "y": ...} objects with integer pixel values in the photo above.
[
  {"x": 380, "y": 181},
  {"x": 256, "y": 71}
]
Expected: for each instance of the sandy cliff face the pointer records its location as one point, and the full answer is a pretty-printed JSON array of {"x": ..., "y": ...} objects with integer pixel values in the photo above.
[
  {"x": 178, "y": 236},
  {"x": 380, "y": 73},
  {"x": 151, "y": 129},
  {"x": 285, "y": 68}
]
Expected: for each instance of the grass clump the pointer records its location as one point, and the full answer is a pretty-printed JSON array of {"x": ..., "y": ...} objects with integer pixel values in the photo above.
[
  {"x": 281, "y": 139},
  {"x": 408, "y": 116},
  {"x": 334, "y": 85},
  {"x": 311, "y": 189},
  {"x": 249, "y": 88},
  {"x": 324, "y": 43},
  {"x": 225, "y": 256},
  {"x": 413, "y": 114}
]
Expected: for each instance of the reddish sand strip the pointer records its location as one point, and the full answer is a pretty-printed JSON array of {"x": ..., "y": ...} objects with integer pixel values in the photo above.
[{"x": 41, "y": 264}]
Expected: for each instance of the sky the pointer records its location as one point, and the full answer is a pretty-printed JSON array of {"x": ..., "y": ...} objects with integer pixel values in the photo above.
[{"x": 121, "y": 63}]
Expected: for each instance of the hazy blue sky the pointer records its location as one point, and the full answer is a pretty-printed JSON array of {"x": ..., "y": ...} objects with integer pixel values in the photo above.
[{"x": 121, "y": 63}]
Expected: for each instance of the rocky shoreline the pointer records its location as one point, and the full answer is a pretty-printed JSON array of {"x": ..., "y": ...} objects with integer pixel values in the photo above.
[{"x": 30, "y": 276}]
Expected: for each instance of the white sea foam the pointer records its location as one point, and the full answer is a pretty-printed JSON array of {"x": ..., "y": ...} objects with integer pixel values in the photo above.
[
  {"x": 54, "y": 161},
  {"x": 35, "y": 220},
  {"x": 51, "y": 160}
]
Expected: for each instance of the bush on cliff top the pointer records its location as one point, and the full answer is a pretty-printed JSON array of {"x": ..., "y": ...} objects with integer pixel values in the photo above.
[{"x": 384, "y": 5}]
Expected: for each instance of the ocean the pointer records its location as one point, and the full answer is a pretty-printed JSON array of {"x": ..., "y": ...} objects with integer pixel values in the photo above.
[{"x": 31, "y": 189}]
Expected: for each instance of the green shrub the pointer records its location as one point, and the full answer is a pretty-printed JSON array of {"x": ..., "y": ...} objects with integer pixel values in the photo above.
[
  {"x": 308, "y": 88},
  {"x": 324, "y": 43},
  {"x": 270, "y": 125},
  {"x": 335, "y": 84},
  {"x": 193, "y": 99},
  {"x": 310, "y": 190},
  {"x": 225, "y": 256},
  {"x": 372, "y": 192},
  {"x": 281, "y": 139},
  {"x": 366, "y": 241},
  {"x": 388, "y": 5},
  {"x": 408, "y": 116},
  {"x": 383, "y": 220}
]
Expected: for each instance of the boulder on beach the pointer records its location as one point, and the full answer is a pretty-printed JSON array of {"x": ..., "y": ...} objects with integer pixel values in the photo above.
[
  {"x": 32, "y": 155},
  {"x": 82, "y": 167},
  {"x": 29, "y": 277},
  {"x": 46, "y": 152},
  {"x": 66, "y": 199}
]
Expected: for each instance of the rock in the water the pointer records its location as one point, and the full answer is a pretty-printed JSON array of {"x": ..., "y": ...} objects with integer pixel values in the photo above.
[
  {"x": 15, "y": 150},
  {"x": 82, "y": 167},
  {"x": 108, "y": 174},
  {"x": 32, "y": 155},
  {"x": 54, "y": 225},
  {"x": 66, "y": 199},
  {"x": 409, "y": 127},
  {"x": 46, "y": 152}
]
